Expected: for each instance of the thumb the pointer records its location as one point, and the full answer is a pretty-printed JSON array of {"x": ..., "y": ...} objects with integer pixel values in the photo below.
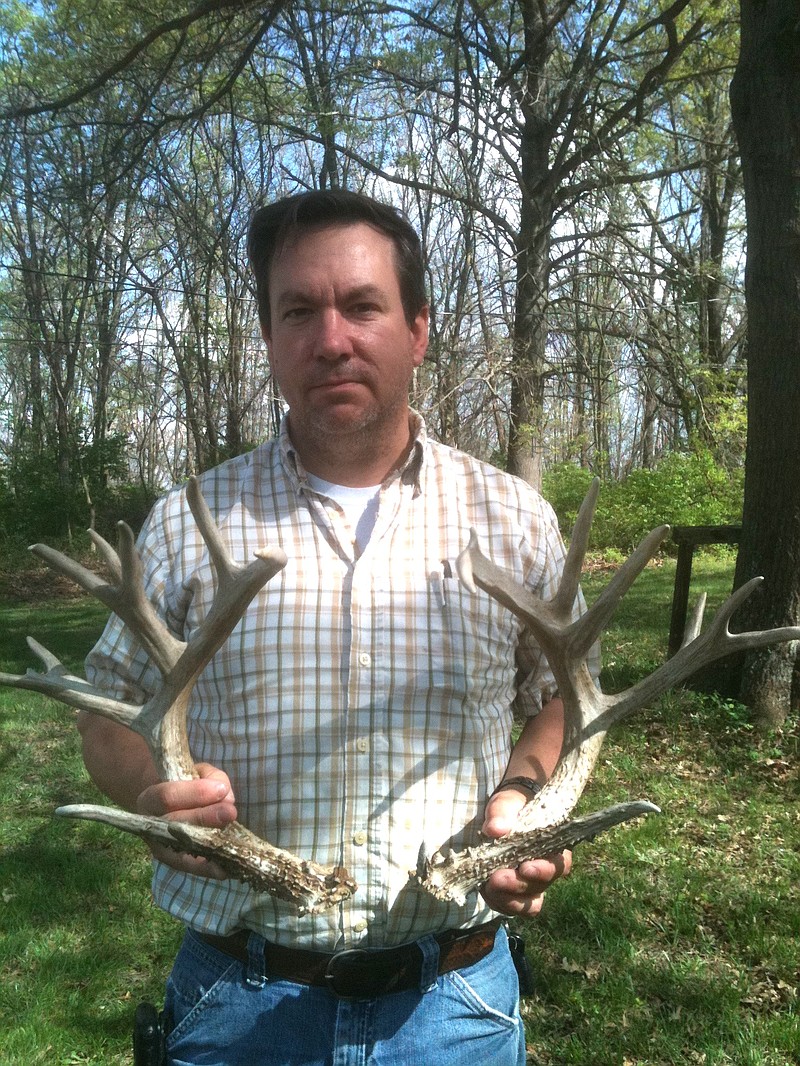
[{"x": 502, "y": 812}]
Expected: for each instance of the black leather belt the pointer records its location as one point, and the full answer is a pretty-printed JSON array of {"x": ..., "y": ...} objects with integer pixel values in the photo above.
[{"x": 364, "y": 973}]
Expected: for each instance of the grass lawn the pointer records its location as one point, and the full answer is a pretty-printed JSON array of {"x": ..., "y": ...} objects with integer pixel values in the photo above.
[
  {"x": 676, "y": 940},
  {"x": 80, "y": 941}
]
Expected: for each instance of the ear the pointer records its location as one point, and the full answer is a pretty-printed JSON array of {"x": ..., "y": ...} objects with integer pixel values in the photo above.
[
  {"x": 268, "y": 341},
  {"x": 419, "y": 336}
]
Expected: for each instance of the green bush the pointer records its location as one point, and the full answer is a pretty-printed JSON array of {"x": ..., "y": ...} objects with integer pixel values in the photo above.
[
  {"x": 685, "y": 489},
  {"x": 37, "y": 504},
  {"x": 129, "y": 503},
  {"x": 565, "y": 487}
]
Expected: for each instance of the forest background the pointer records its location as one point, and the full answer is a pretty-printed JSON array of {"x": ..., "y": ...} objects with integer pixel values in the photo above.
[{"x": 571, "y": 167}]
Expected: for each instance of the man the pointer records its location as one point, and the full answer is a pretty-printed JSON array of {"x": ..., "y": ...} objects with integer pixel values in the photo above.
[{"x": 362, "y": 710}]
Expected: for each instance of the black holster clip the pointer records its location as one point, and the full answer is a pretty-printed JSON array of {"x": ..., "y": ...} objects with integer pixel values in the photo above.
[
  {"x": 516, "y": 945},
  {"x": 149, "y": 1037}
]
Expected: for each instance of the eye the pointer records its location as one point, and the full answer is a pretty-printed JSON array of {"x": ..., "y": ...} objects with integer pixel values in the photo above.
[
  {"x": 364, "y": 309},
  {"x": 296, "y": 314}
]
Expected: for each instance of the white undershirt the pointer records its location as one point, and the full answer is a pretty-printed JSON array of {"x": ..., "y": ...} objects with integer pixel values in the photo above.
[{"x": 360, "y": 505}]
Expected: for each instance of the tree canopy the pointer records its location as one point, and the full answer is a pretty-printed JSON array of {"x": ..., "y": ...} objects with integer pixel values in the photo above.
[{"x": 570, "y": 166}]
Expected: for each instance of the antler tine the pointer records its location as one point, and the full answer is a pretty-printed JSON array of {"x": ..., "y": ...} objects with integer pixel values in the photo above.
[
  {"x": 226, "y": 568},
  {"x": 596, "y": 619},
  {"x": 695, "y": 623},
  {"x": 74, "y": 691},
  {"x": 729, "y": 642},
  {"x": 125, "y": 598},
  {"x": 237, "y": 584},
  {"x": 88, "y": 580},
  {"x": 50, "y": 661},
  {"x": 307, "y": 885},
  {"x": 451, "y": 878},
  {"x": 714, "y": 643},
  {"x": 223, "y": 564},
  {"x": 564, "y": 598},
  {"x": 110, "y": 557},
  {"x": 551, "y": 621},
  {"x": 128, "y": 600}
]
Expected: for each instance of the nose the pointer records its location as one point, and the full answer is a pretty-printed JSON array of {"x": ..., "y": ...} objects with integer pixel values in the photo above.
[{"x": 332, "y": 339}]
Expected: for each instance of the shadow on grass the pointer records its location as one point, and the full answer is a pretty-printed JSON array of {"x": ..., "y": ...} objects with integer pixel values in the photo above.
[
  {"x": 657, "y": 947},
  {"x": 68, "y": 629},
  {"x": 82, "y": 944}
]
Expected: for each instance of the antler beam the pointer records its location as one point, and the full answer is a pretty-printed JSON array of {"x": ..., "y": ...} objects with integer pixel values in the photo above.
[{"x": 543, "y": 828}]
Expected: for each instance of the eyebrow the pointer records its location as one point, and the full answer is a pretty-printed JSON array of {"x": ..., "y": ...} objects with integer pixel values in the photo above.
[{"x": 359, "y": 292}]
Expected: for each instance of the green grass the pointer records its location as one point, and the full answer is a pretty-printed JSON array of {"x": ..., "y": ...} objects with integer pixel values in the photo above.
[
  {"x": 80, "y": 941},
  {"x": 676, "y": 940}
]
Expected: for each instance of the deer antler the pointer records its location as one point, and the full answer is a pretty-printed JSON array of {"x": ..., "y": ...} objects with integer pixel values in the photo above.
[
  {"x": 543, "y": 828},
  {"x": 162, "y": 719}
]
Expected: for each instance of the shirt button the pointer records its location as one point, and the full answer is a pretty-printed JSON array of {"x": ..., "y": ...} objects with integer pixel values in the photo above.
[
  {"x": 360, "y": 837},
  {"x": 365, "y": 659},
  {"x": 362, "y": 744}
]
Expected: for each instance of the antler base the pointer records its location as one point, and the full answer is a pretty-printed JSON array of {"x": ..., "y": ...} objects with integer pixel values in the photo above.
[{"x": 244, "y": 856}]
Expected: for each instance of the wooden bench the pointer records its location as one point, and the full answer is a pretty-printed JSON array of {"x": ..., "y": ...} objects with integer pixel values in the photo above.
[{"x": 687, "y": 538}]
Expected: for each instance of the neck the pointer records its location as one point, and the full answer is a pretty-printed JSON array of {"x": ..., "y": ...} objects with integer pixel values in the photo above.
[{"x": 356, "y": 460}]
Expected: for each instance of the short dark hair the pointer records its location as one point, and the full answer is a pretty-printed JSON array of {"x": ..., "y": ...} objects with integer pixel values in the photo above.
[{"x": 272, "y": 226}]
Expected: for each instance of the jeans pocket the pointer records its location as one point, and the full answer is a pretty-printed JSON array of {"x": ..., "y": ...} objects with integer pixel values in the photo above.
[
  {"x": 199, "y": 979},
  {"x": 490, "y": 988}
]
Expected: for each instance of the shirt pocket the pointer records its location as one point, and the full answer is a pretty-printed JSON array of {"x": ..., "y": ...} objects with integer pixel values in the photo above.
[{"x": 472, "y": 643}]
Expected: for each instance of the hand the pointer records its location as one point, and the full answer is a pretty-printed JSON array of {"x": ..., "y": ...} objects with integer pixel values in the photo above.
[
  {"x": 518, "y": 891},
  {"x": 207, "y": 800}
]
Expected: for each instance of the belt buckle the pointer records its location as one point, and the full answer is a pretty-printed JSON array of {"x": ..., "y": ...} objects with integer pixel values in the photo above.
[{"x": 351, "y": 974}]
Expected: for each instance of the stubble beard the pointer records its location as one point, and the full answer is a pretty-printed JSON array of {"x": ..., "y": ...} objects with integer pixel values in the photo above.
[{"x": 360, "y": 436}]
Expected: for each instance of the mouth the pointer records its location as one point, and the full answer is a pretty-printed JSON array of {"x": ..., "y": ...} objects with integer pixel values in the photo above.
[{"x": 337, "y": 385}]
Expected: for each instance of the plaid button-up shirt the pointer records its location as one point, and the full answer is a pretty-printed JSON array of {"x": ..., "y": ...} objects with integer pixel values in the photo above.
[{"x": 363, "y": 706}]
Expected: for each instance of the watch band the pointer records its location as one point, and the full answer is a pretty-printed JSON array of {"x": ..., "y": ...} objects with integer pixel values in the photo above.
[{"x": 524, "y": 784}]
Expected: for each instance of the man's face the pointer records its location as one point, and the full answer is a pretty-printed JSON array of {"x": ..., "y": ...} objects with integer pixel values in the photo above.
[{"x": 339, "y": 344}]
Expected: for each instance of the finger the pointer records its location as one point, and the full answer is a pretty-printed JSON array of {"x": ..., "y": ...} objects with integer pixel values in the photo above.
[
  {"x": 533, "y": 875},
  {"x": 543, "y": 872},
  {"x": 207, "y": 800},
  {"x": 190, "y": 864},
  {"x": 518, "y": 906},
  {"x": 510, "y": 882},
  {"x": 198, "y": 802},
  {"x": 523, "y": 904},
  {"x": 207, "y": 772},
  {"x": 520, "y": 890}
]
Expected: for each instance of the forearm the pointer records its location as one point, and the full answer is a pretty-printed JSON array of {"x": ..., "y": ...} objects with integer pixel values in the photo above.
[
  {"x": 117, "y": 759},
  {"x": 120, "y": 764},
  {"x": 539, "y": 745},
  {"x": 520, "y": 891}
]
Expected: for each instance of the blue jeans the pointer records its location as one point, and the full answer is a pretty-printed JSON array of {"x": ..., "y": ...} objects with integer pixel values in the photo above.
[{"x": 225, "y": 1013}]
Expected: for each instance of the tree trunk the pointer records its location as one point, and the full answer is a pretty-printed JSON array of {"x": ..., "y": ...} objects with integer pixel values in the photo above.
[
  {"x": 526, "y": 435},
  {"x": 765, "y": 97},
  {"x": 529, "y": 343}
]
